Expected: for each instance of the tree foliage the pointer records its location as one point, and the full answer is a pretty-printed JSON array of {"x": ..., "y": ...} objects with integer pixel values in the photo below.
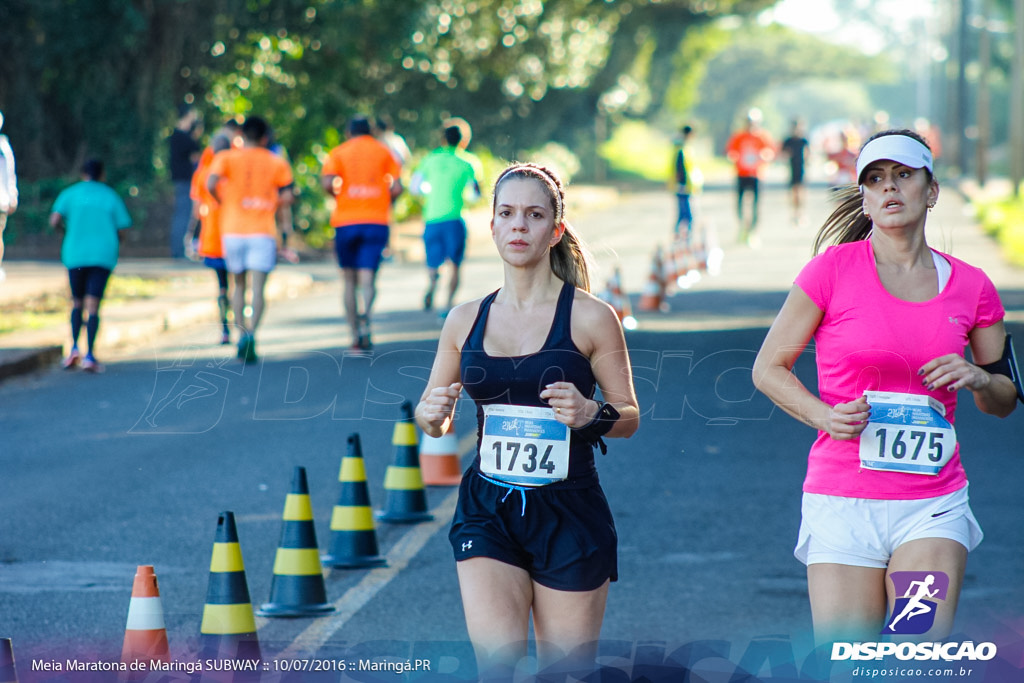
[
  {"x": 756, "y": 58},
  {"x": 103, "y": 78}
]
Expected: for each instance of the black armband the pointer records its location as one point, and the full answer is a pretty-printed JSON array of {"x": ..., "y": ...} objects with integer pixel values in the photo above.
[
  {"x": 602, "y": 423},
  {"x": 1007, "y": 367}
]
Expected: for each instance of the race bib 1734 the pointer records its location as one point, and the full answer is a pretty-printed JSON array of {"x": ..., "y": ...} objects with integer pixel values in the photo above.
[{"x": 524, "y": 445}]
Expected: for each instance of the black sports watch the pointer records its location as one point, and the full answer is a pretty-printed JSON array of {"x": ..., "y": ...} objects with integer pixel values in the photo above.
[{"x": 602, "y": 423}]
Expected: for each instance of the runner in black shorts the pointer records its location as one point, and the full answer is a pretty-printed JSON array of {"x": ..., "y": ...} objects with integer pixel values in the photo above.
[
  {"x": 795, "y": 148},
  {"x": 533, "y": 532},
  {"x": 91, "y": 216}
]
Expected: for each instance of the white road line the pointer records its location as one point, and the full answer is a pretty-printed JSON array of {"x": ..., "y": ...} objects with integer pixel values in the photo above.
[{"x": 347, "y": 606}]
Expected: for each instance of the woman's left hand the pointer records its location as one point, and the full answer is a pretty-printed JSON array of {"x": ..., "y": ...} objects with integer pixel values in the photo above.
[
  {"x": 954, "y": 373},
  {"x": 570, "y": 407}
]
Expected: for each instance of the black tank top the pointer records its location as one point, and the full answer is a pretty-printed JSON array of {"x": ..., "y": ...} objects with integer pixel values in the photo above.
[{"x": 518, "y": 380}]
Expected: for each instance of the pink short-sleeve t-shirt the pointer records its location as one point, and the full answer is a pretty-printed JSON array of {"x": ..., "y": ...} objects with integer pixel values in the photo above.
[{"x": 869, "y": 340}]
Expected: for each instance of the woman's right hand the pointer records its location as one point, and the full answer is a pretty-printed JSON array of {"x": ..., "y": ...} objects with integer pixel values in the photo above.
[
  {"x": 439, "y": 404},
  {"x": 846, "y": 421}
]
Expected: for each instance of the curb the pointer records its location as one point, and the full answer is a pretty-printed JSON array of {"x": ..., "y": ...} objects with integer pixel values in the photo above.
[
  {"x": 44, "y": 348},
  {"x": 23, "y": 361}
]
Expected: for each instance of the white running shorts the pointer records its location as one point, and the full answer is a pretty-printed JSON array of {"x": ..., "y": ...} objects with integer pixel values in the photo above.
[
  {"x": 864, "y": 532},
  {"x": 255, "y": 252}
]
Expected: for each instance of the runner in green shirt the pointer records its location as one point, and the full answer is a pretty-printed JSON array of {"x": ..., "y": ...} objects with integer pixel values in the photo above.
[{"x": 442, "y": 179}]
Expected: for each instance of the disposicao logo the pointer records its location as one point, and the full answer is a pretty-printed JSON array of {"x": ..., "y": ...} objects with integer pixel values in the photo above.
[
  {"x": 914, "y": 612},
  {"x": 919, "y": 595}
]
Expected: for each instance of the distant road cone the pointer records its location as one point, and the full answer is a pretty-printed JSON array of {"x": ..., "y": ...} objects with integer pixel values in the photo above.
[
  {"x": 145, "y": 636},
  {"x": 680, "y": 256},
  {"x": 353, "y": 538},
  {"x": 653, "y": 297},
  {"x": 403, "y": 482},
  {"x": 685, "y": 266},
  {"x": 439, "y": 458},
  {"x": 8, "y": 672},
  {"x": 620, "y": 301},
  {"x": 228, "y": 629},
  {"x": 612, "y": 294},
  {"x": 700, "y": 255},
  {"x": 297, "y": 589}
]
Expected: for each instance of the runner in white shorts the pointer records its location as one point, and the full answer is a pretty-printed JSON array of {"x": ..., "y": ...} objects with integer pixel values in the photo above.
[
  {"x": 885, "y": 490},
  {"x": 242, "y": 253},
  {"x": 257, "y": 185}
]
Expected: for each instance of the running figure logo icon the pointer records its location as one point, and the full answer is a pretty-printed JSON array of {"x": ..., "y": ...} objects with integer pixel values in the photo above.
[{"x": 919, "y": 593}]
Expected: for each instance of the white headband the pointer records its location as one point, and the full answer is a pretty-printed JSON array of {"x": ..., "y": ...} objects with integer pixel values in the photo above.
[{"x": 899, "y": 148}]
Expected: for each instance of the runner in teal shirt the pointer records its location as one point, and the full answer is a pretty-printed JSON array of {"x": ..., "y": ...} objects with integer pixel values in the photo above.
[
  {"x": 91, "y": 215},
  {"x": 442, "y": 179}
]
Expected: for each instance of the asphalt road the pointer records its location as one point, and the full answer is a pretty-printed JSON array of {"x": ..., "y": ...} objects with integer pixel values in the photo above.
[{"x": 103, "y": 473}]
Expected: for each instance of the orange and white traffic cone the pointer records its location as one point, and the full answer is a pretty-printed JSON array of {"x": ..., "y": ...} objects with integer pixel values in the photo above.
[
  {"x": 680, "y": 262},
  {"x": 439, "y": 458},
  {"x": 145, "y": 635},
  {"x": 653, "y": 297},
  {"x": 8, "y": 672},
  {"x": 700, "y": 255},
  {"x": 685, "y": 264},
  {"x": 622, "y": 306}
]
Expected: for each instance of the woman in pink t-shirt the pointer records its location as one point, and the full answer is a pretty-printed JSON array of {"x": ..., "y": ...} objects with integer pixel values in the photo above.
[{"x": 889, "y": 315}]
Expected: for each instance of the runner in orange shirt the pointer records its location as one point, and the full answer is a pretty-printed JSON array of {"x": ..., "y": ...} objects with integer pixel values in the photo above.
[
  {"x": 206, "y": 236},
  {"x": 365, "y": 179},
  {"x": 749, "y": 149},
  {"x": 255, "y": 183}
]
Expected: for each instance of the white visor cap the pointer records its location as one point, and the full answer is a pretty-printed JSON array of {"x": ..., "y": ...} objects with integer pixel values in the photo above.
[{"x": 899, "y": 148}]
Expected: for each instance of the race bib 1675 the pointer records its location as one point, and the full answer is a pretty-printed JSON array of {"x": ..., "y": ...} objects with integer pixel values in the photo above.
[{"x": 906, "y": 433}]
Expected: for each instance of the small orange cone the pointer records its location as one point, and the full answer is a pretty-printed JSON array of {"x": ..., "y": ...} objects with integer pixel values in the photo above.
[
  {"x": 8, "y": 672},
  {"x": 353, "y": 538},
  {"x": 297, "y": 589},
  {"x": 686, "y": 267},
  {"x": 612, "y": 294},
  {"x": 439, "y": 458},
  {"x": 700, "y": 254},
  {"x": 680, "y": 258},
  {"x": 145, "y": 636},
  {"x": 620, "y": 301},
  {"x": 403, "y": 482},
  {"x": 653, "y": 297}
]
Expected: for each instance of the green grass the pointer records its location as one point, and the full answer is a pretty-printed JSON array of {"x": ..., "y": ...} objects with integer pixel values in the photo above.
[
  {"x": 636, "y": 149},
  {"x": 1004, "y": 220},
  {"x": 126, "y": 288},
  {"x": 52, "y": 309}
]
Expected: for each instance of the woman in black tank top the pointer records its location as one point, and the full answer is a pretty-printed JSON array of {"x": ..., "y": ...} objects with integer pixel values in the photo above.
[{"x": 533, "y": 533}]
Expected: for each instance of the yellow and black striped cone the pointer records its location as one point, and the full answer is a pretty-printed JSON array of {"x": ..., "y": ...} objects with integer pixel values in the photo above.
[
  {"x": 228, "y": 630},
  {"x": 403, "y": 482},
  {"x": 298, "y": 588},
  {"x": 8, "y": 673},
  {"x": 353, "y": 538}
]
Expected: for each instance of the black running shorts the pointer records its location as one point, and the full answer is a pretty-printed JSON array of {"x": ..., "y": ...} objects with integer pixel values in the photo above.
[{"x": 563, "y": 537}]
